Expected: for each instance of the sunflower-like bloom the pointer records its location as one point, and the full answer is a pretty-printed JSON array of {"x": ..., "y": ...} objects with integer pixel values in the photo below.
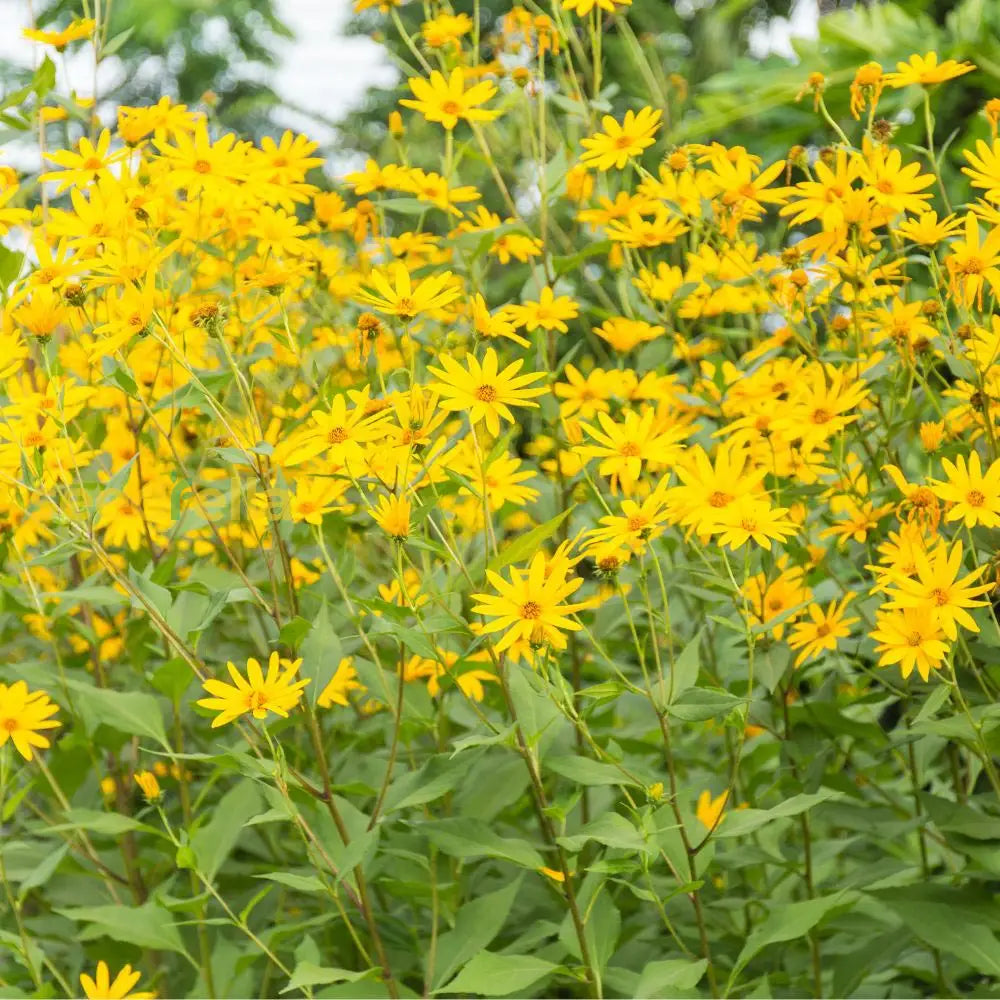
[
  {"x": 405, "y": 298},
  {"x": 278, "y": 691},
  {"x": 102, "y": 987},
  {"x": 926, "y": 70},
  {"x": 530, "y": 606},
  {"x": 446, "y": 101},
  {"x": 620, "y": 142},
  {"x": 484, "y": 392},
  {"x": 22, "y": 714}
]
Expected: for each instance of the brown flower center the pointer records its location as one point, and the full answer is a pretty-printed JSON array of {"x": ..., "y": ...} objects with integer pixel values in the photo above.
[
  {"x": 974, "y": 498},
  {"x": 486, "y": 394},
  {"x": 202, "y": 166},
  {"x": 531, "y": 610},
  {"x": 629, "y": 450},
  {"x": 720, "y": 499},
  {"x": 337, "y": 436}
]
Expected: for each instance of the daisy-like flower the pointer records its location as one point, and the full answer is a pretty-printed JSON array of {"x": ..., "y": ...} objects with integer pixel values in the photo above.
[
  {"x": 911, "y": 637},
  {"x": 341, "y": 684},
  {"x": 150, "y": 787},
  {"x": 974, "y": 263},
  {"x": 405, "y": 298},
  {"x": 822, "y": 631},
  {"x": 102, "y": 987},
  {"x": 484, "y": 392},
  {"x": 753, "y": 518},
  {"x": 74, "y": 32},
  {"x": 393, "y": 516},
  {"x": 974, "y": 495},
  {"x": 278, "y": 691},
  {"x": 530, "y": 606},
  {"x": 926, "y": 70},
  {"x": 927, "y": 231},
  {"x": 708, "y": 810},
  {"x": 619, "y": 143},
  {"x": 88, "y": 164},
  {"x": 22, "y": 714},
  {"x": 625, "y": 448},
  {"x": 939, "y": 588},
  {"x": 550, "y": 312},
  {"x": 583, "y": 7},
  {"x": 446, "y": 100}
]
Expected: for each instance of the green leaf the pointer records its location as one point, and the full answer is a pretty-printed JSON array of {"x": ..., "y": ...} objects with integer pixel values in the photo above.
[
  {"x": 525, "y": 546},
  {"x": 668, "y": 977},
  {"x": 464, "y": 837},
  {"x": 95, "y": 821},
  {"x": 146, "y": 926},
  {"x": 130, "y": 712},
  {"x": 786, "y": 922},
  {"x": 477, "y": 923},
  {"x": 441, "y": 774},
  {"x": 309, "y": 974},
  {"x": 213, "y": 842},
  {"x": 493, "y": 975},
  {"x": 302, "y": 883},
  {"x": 42, "y": 872},
  {"x": 11, "y": 262},
  {"x": 939, "y": 925},
  {"x": 739, "y": 822},
  {"x": 611, "y": 829},
  {"x": 701, "y": 704},
  {"x": 686, "y": 667},
  {"x": 114, "y": 44},
  {"x": 585, "y": 771}
]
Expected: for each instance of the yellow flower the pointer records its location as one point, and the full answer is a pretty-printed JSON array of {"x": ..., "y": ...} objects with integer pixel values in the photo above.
[
  {"x": 344, "y": 681},
  {"x": 76, "y": 30},
  {"x": 393, "y": 516},
  {"x": 530, "y": 606},
  {"x": 911, "y": 637},
  {"x": 22, "y": 715},
  {"x": 550, "y": 312},
  {"x": 619, "y": 143},
  {"x": 937, "y": 587},
  {"x": 484, "y": 392},
  {"x": 973, "y": 494},
  {"x": 403, "y": 298},
  {"x": 583, "y": 7},
  {"x": 102, "y": 987},
  {"x": 823, "y": 631},
  {"x": 446, "y": 101},
  {"x": 926, "y": 70},
  {"x": 146, "y": 780},
  {"x": 753, "y": 518},
  {"x": 277, "y": 692},
  {"x": 926, "y": 230},
  {"x": 709, "y": 810},
  {"x": 88, "y": 164},
  {"x": 866, "y": 88}
]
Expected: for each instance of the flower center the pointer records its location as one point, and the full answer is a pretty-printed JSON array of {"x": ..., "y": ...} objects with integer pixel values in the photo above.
[
  {"x": 940, "y": 597},
  {"x": 531, "y": 610},
  {"x": 486, "y": 394},
  {"x": 821, "y": 416},
  {"x": 720, "y": 499},
  {"x": 974, "y": 498},
  {"x": 93, "y": 163},
  {"x": 451, "y": 108},
  {"x": 636, "y": 523},
  {"x": 255, "y": 700},
  {"x": 623, "y": 142},
  {"x": 914, "y": 639},
  {"x": 337, "y": 436},
  {"x": 202, "y": 166},
  {"x": 629, "y": 450},
  {"x": 822, "y": 630},
  {"x": 9, "y": 724}
]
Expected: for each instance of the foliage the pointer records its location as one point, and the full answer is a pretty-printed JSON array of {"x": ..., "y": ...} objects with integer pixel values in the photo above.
[{"x": 560, "y": 561}]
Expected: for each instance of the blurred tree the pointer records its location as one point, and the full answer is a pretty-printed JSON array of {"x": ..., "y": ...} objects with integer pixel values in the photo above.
[{"x": 187, "y": 48}]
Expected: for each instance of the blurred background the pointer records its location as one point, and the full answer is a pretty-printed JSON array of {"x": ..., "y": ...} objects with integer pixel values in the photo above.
[{"x": 319, "y": 67}]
